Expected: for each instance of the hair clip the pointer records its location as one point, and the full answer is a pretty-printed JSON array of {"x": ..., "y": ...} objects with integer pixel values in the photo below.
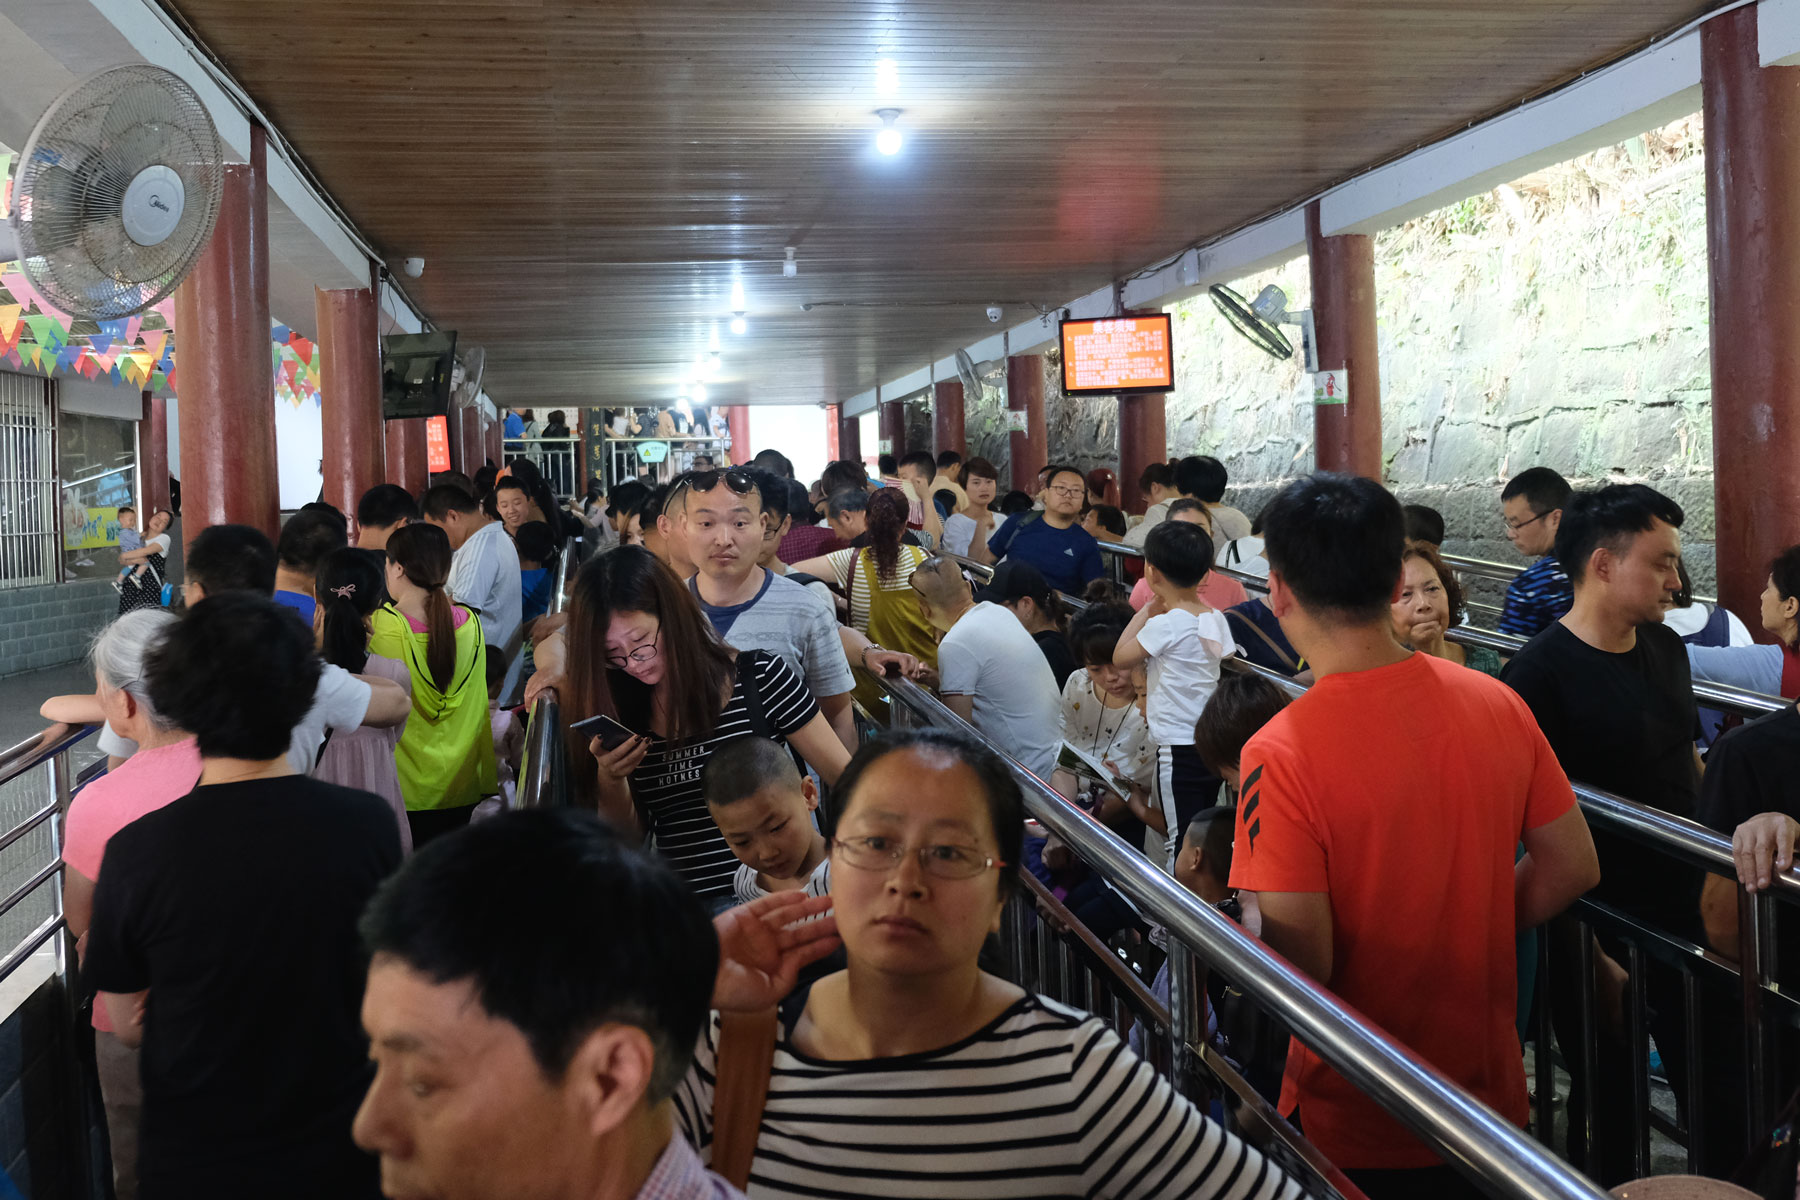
[{"x": 345, "y": 592}]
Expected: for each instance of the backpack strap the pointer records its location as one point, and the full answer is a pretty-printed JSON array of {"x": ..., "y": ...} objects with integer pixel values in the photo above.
[
  {"x": 748, "y": 665},
  {"x": 741, "y": 1091},
  {"x": 1268, "y": 641}
]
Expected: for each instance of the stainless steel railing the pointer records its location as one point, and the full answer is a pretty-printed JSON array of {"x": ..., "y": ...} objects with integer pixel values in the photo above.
[
  {"x": 1765, "y": 1005},
  {"x": 543, "y": 768},
  {"x": 1711, "y": 695},
  {"x": 1498, "y": 1157}
]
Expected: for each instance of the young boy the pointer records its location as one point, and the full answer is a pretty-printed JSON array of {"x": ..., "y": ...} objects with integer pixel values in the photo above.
[
  {"x": 764, "y": 807},
  {"x": 129, "y": 539},
  {"x": 536, "y": 544},
  {"x": 1184, "y": 641},
  {"x": 1240, "y": 705}
]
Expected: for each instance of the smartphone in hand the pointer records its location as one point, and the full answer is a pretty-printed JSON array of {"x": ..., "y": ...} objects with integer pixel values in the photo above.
[{"x": 612, "y": 735}]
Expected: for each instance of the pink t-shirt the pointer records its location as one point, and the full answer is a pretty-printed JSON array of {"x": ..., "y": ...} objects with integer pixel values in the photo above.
[
  {"x": 458, "y": 615},
  {"x": 1215, "y": 590},
  {"x": 143, "y": 783}
]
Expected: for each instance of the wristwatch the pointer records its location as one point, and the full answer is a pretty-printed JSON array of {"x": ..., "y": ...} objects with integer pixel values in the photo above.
[{"x": 865, "y": 654}]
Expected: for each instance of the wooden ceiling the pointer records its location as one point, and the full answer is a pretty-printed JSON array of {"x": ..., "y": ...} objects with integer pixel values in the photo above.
[{"x": 584, "y": 179}]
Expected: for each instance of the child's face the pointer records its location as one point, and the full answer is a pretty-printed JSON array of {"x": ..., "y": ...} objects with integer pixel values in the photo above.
[
  {"x": 127, "y": 520},
  {"x": 772, "y": 830}
]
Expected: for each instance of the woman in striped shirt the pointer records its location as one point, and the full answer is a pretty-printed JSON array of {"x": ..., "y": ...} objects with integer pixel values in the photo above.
[
  {"x": 642, "y": 652},
  {"x": 913, "y": 1072}
]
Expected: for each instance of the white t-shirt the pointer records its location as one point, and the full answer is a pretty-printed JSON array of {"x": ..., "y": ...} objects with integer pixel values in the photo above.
[
  {"x": 1185, "y": 652},
  {"x": 341, "y": 701},
  {"x": 1153, "y": 516},
  {"x": 988, "y": 655},
  {"x": 484, "y": 574},
  {"x": 959, "y": 531},
  {"x": 745, "y": 887}
]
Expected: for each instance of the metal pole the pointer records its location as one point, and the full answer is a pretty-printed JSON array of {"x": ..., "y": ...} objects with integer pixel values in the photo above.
[
  {"x": 1758, "y": 1081},
  {"x": 1184, "y": 1019},
  {"x": 1640, "y": 1064}
]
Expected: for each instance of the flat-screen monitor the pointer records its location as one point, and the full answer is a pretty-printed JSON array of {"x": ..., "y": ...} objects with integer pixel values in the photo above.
[
  {"x": 1118, "y": 355},
  {"x": 415, "y": 373}
]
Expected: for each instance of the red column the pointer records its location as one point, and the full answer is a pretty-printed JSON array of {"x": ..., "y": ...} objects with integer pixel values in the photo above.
[
  {"x": 1025, "y": 395},
  {"x": 228, "y": 471},
  {"x": 407, "y": 463},
  {"x": 947, "y": 417},
  {"x": 492, "y": 448},
  {"x": 891, "y": 428},
  {"x": 349, "y": 396},
  {"x": 737, "y": 419},
  {"x": 153, "y": 465},
  {"x": 467, "y": 440},
  {"x": 832, "y": 422},
  {"x": 1753, "y": 244},
  {"x": 1347, "y": 436},
  {"x": 1143, "y": 439},
  {"x": 849, "y": 437}
]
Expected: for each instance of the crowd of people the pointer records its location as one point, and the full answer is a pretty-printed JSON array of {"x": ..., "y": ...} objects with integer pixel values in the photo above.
[{"x": 330, "y": 956}]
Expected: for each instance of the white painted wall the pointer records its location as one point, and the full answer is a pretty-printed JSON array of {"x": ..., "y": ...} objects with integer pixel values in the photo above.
[{"x": 797, "y": 430}]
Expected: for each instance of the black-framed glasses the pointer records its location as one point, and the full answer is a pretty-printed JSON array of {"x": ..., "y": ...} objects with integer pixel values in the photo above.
[
  {"x": 642, "y": 654},
  {"x": 942, "y": 861},
  {"x": 1514, "y": 527},
  {"x": 1071, "y": 492}
]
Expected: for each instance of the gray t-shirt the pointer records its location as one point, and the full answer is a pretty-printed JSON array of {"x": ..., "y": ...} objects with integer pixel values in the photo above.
[
  {"x": 787, "y": 620},
  {"x": 989, "y": 656}
]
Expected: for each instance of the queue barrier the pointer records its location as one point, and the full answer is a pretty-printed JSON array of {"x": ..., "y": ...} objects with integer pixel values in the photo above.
[
  {"x": 1498, "y": 1157},
  {"x": 1711, "y": 695},
  {"x": 543, "y": 767},
  {"x": 1766, "y": 1007}
]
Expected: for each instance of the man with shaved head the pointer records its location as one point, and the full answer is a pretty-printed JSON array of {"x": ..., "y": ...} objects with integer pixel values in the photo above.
[{"x": 991, "y": 673}]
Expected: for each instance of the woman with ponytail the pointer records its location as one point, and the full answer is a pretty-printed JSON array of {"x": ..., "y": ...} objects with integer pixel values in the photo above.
[
  {"x": 882, "y": 605},
  {"x": 350, "y": 588},
  {"x": 445, "y": 757}
]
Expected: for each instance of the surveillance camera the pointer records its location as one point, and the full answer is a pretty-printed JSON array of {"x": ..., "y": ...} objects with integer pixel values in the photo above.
[
  {"x": 993, "y": 312},
  {"x": 414, "y": 267}
]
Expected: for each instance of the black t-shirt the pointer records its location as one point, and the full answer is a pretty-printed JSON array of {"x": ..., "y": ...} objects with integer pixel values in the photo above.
[
  {"x": 237, "y": 907},
  {"x": 1623, "y": 723},
  {"x": 1055, "y": 645},
  {"x": 1756, "y": 769}
]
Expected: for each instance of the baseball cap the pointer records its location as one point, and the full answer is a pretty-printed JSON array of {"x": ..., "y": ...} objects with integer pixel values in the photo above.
[{"x": 1015, "y": 580}]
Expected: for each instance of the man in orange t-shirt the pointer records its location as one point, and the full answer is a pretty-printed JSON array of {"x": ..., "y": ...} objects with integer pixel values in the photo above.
[{"x": 1377, "y": 823}]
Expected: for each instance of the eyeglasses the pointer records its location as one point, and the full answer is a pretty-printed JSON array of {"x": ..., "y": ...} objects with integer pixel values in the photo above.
[
  {"x": 642, "y": 654},
  {"x": 1073, "y": 493},
  {"x": 941, "y": 862},
  {"x": 1515, "y": 526}
]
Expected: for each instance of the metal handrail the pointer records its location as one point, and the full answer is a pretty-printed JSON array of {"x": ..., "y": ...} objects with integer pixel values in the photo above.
[
  {"x": 1468, "y": 1134},
  {"x": 540, "y": 767},
  {"x": 39, "y": 749},
  {"x": 1712, "y": 695}
]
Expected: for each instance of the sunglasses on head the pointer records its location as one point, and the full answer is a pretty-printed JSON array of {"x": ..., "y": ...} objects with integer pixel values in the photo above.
[{"x": 736, "y": 478}]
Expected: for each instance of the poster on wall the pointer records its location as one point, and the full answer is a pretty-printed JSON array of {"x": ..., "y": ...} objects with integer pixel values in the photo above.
[
  {"x": 437, "y": 443},
  {"x": 96, "y": 528}
]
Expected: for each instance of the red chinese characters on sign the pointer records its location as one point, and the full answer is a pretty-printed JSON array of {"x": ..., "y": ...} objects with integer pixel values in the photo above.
[
  {"x": 437, "y": 443},
  {"x": 1122, "y": 354}
]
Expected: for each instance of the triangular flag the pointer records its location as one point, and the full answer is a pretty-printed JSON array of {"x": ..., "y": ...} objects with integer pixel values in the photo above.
[
  {"x": 153, "y": 342},
  {"x": 5, "y": 183},
  {"x": 303, "y": 348},
  {"x": 158, "y": 381},
  {"x": 46, "y": 330},
  {"x": 101, "y": 341},
  {"x": 68, "y": 356},
  {"x": 171, "y": 374},
  {"x": 132, "y": 325},
  {"x": 104, "y": 359},
  {"x": 280, "y": 334},
  {"x": 9, "y": 320}
]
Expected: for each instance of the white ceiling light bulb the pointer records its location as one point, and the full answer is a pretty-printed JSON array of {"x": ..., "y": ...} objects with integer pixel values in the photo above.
[
  {"x": 738, "y": 303},
  {"x": 887, "y": 78},
  {"x": 712, "y": 343},
  {"x": 790, "y": 268},
  {"x": 739, "y": 326},
  {"x": 699, "y": 394},
  {"x": 713, "y": 364},
  {"x": 889, "y": 140}
]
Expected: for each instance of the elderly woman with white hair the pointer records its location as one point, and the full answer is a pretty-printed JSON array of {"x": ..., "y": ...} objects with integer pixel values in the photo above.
[{"x": 164, "y": 769}]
